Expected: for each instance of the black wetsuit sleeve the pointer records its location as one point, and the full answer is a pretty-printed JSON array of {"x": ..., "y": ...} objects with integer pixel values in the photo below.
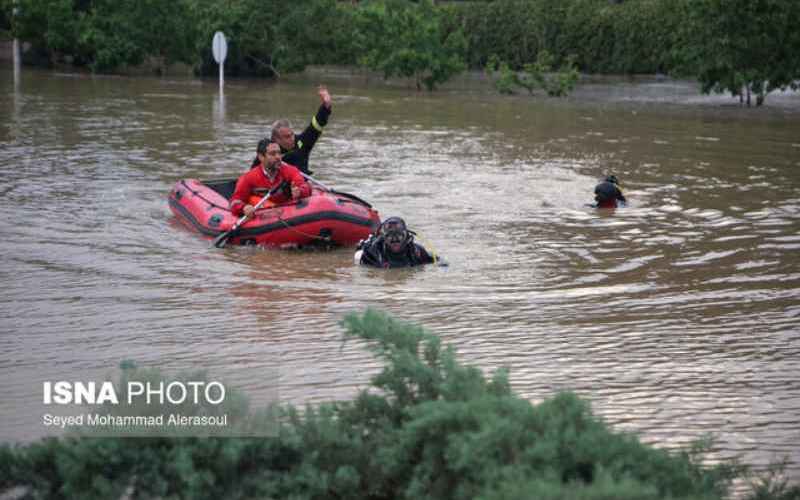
[
  {"x": 308, "y": 137},
  {"x": 370, "y": 254},
  {"x": 322, "y": 115},
  {"x": 422, "y": 255}
]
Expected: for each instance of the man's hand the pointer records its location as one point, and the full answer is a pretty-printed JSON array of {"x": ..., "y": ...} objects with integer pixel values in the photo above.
[
  {"x": 295, "y": 192},
  {"x": 325, "y": 96},
  {"x": 248, "y": 209}
]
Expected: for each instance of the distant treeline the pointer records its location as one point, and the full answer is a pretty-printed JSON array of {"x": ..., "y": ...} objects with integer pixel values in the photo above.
[{"x": 741, "y": 46}]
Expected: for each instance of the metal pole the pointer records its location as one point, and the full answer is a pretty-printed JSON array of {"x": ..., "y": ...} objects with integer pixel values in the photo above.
[
  {"x": 15, "y": 47},
  {"x": 17, "y": 64}
]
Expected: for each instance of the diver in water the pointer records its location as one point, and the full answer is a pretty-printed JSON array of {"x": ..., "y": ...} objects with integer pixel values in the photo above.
[
  {"x": 393, "y": 246},
  {"x": 608, "y": 194}
]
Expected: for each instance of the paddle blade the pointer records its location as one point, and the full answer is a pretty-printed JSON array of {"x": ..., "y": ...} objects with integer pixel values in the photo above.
[{"x": 221, "y": 240}]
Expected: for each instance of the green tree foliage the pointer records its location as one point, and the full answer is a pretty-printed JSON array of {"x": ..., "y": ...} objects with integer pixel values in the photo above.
[
  {"x": 743, "y": 46},
  {"x": 635, "y": 36},
  {"x": 125, "y": 32},
  {"x": 538, "y": 75},
  {"x": 317, "y": 32},
  {"x": 408, "y": 40},
  {"x": 269, "y": 37},
  {"x": 53, "y": 26},
  {"x": 773, "y": 485},
  {"x": 542, "y": 74},
  {"x": 506, "y": 79},
  {"x": 251, "y": 28},
  {"x": 106, "y": 34},
  {"x": 429, "y": 427},
  {"x": 509, "y": 29},
  {"x": 6, "y": 9}
]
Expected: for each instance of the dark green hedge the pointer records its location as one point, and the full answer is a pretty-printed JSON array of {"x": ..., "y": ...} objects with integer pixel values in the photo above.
[
  {"x": 740, "y": 46},
  {"x": 635, "y": 36}
]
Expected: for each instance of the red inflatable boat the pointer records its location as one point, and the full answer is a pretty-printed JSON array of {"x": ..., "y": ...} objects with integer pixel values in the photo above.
[{"x": 327, "y": 218}]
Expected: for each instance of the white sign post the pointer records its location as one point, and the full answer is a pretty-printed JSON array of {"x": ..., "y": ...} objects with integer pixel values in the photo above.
[
  {"x": 219, "y": 46},
  {"x": 15, "y": 47}
]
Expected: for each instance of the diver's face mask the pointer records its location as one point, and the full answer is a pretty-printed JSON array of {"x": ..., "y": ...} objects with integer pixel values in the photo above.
[{"x": 395, "y": 235}]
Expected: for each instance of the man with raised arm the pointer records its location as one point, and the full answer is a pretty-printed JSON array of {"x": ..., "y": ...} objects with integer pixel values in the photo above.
[{"x": 296, "y": 148}]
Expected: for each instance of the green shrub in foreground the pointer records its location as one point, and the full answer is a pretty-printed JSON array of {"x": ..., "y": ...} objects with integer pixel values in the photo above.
[{"x": 434, "y": 428}]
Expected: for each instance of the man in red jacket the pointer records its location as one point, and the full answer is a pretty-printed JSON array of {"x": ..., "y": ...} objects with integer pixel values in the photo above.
[{"x": 270, "y": 173}]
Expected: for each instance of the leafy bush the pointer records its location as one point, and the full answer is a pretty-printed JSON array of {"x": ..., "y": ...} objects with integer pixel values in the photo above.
[
  {"x": 51, "y": 25},
  {"x": 430, "y": 427},
  {"x": 408, "y": 40},
  {"x": 512, "y": 30},
  {"x": 506, "y": 80},
  {"x": 312, "y": 33},
  {"x": 6, "y": 9},
  {"x": 251, "y": 28},
  {"x": 539, "y": 75},
  {"x": 743, "y": 47},
  {"x": 773, "y": 485}
]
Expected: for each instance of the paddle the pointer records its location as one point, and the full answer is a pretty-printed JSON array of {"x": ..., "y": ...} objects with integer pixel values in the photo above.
[
  {"x": 309, "y": 178},
  {"x": 326, "y": 188},
  {"x": 222, "y": 240}
]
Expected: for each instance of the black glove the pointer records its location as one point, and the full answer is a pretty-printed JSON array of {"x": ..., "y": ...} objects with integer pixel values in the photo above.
[{"x": 365, "y": 243}]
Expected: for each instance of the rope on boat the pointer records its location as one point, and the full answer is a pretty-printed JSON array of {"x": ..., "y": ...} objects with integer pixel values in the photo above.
[
  {"x": 197, "y": 193},
  {"x": 302, "y": 233}
]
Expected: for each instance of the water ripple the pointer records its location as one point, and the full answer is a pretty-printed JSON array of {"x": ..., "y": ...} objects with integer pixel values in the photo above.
[{"x": 676, "y": 316}]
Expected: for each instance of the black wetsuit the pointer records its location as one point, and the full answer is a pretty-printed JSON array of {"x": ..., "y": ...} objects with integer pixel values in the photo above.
[
  {"x": 376, "y": 254},
  {"x": 304, "y": 142},
  {"x": 606, "y": 194}
]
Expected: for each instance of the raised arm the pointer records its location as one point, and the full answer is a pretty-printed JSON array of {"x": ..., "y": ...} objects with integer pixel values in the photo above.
[{"x": 325, "y": 97}]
